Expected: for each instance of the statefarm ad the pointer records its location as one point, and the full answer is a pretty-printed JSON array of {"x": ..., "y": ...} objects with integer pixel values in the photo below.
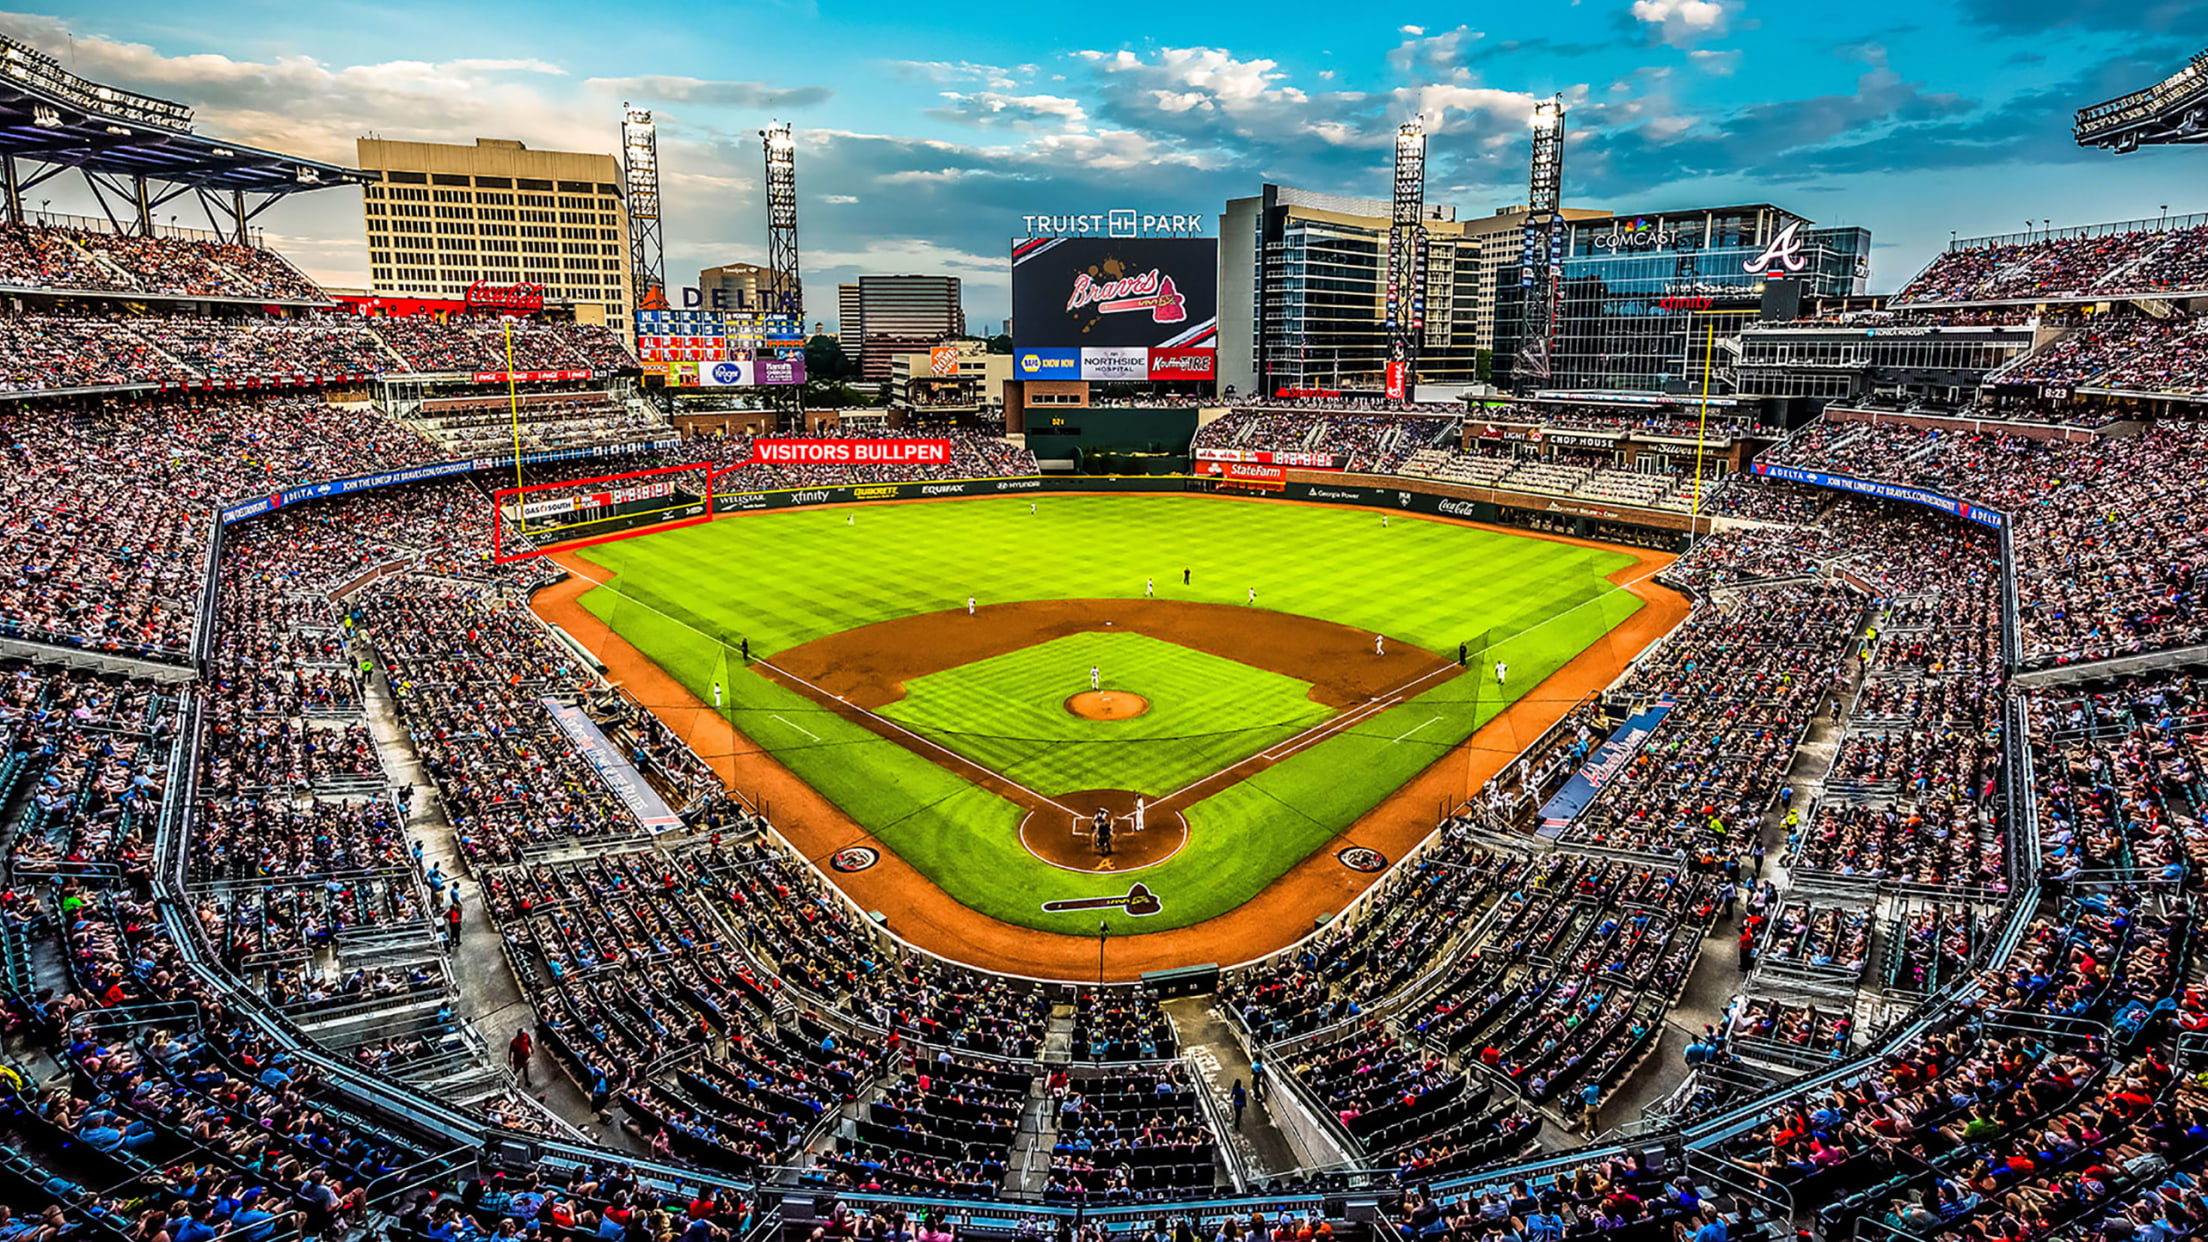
[{"x": 1118, "y": 308}]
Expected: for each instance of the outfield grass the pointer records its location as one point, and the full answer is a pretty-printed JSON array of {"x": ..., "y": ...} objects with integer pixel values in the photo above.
[
  {"x": 1007, "y": 713},
  {"x": 685, "y": 598}
]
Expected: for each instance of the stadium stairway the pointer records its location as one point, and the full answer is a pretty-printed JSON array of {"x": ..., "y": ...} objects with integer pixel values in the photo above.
[{"x": 1212, "y": 1052}]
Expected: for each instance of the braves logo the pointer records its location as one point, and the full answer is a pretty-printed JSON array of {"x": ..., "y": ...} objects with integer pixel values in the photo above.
[
  {"x": 855, "y": 858},
  {"x": 1147, "y": 292},
  {"x": 1784, "y": 252}
]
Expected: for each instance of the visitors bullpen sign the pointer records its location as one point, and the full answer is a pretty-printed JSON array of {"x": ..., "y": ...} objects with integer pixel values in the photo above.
[{"x": 849, "y": 453}]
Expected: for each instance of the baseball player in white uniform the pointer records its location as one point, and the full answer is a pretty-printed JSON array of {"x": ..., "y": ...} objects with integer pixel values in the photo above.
[
  {"x": 1096, "y": 678},
  {"x": 969, "y": 605},
  {"x": 1379, "y": 644}
]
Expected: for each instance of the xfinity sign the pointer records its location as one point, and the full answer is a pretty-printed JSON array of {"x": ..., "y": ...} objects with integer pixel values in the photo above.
[{"x": 1116, "y": 222}]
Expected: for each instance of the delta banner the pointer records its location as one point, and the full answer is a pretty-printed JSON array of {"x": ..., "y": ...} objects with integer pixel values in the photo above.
[
  {"x": 1885, "y": 491},
  {"x": 1046, "y": 364},
  {"x": 1183, "y": 364},
  {"x": 1609, "y": 759},
  {"x": 1138, "y": 293}
]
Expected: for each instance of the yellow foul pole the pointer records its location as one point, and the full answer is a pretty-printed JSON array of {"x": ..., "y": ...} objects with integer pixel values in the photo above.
[
  {"x": 513, "y": 410},
  {"x": 1701, "y": 430}
]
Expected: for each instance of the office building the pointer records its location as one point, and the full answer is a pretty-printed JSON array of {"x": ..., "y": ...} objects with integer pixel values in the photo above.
[
  {"x": 1650, "y": 303},
  {"x": 1303, "y": 291},
  {"x": 443, "y": 216},
  {"x": 882, "y": 316},
  {"x": 735, "y": 287}
]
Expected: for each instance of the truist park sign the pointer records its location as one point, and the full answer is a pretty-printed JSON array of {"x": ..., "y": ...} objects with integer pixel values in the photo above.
[{"x": 1116, "y": 222}]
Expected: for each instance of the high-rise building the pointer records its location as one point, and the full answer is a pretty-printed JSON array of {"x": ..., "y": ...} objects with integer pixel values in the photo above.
[
  {"x": 1658, "y": 302},
  {"x": 443, "y": 216},
  {"x": 1303, "y": 296},
  {"x": 736, "y": 287},
  {"x": 883, "y": 316}
]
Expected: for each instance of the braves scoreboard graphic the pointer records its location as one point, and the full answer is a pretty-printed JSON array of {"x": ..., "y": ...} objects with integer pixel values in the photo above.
[{"x": 1115, "y": 308}]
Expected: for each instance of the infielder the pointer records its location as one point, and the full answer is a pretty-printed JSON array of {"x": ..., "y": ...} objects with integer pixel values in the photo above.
[
  {"x": 969, "y": 605},
  {"x": 1138, "y": 812},
  {"x": 1379, "y": 645},
  {"x": 1031, "y": 506},
  {"x": 1502, "y": 671},
  {"x": 1096, "y": 678},
  {"x": 1383, "y": 521},
  {"x": 1253, "y": 595},
  {"x": 716, "y": 696}
]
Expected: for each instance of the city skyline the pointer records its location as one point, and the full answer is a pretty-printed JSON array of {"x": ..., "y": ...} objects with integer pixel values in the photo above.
[{"x": 921, "y": 147}]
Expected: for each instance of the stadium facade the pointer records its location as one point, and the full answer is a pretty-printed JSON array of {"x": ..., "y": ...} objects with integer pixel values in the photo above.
[
  {"x": 1303, "y": 290},
  {"x": 442, "y": 216},
  {"x": 1643, "y": 297}
]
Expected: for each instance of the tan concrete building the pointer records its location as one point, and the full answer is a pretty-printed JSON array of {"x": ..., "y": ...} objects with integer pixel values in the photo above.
[
  {"x": 739, "y": 288},
  {"x": 442, "y": 216},
  {"x": 1490, "y": 242}
]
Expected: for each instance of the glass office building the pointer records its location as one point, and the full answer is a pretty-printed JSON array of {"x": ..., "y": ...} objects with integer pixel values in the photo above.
[{"x": 1649, "y": 303}]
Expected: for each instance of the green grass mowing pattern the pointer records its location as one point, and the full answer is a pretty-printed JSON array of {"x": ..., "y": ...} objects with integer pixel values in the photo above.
[
  {"x": 685, "y": 597},
  {"x": 1007, "y": 713}
]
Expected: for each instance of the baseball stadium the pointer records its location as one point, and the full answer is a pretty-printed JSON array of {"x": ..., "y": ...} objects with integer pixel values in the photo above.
[{"x": 1726, "y": 766}]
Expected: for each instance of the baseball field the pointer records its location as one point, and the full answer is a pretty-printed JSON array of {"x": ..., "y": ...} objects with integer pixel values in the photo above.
[{"x": 957, "y": 737}]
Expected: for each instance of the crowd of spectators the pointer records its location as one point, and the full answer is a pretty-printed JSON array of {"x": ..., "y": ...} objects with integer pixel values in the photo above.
[
  {"x": 49, "y": 257},
  {"x": 2137, "y": 262},
  {"x": 2108, "y": 546},
  {"x": 2126, "y": 353},
  {"x": 1374, "y": 440}
]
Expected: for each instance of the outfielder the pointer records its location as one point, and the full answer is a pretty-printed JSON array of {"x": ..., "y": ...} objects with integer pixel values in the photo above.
[
  {"x": 1502, "y": 671},
  {"x": 1149, "y": 588},
  {"x": 716, "y": 696},
  {"x": 1253, "y": 595}
]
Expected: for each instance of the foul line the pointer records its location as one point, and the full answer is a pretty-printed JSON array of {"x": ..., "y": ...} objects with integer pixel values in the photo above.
[
  {"x": 800, "y": 728},
  {"x": 1407, "y": 732},
  {"x": 920, "y": 738}
]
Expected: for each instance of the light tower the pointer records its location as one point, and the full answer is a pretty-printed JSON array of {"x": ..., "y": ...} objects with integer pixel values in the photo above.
[
  {"x": 1541, "y": 271},
  {"x": 1406, "y": 260},
  {"x": 785, "y": 288},
  {"x": 640, "y": 185}
]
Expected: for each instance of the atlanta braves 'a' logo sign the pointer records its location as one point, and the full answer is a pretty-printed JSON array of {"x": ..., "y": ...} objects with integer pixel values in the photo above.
[
  {"x": 1147, "y": 292},
  {"x": 1785, "y": 251}
]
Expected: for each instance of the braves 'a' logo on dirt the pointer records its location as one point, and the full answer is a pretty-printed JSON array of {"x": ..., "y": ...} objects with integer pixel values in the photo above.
[
  {"x": 1360, "y": 858},
  {"x": 856, "y": 858},
  {"x": 1138, "y": 901}
]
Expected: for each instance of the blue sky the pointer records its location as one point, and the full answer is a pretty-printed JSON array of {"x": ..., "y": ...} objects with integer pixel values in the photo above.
[{"x": 927, "y": 131}]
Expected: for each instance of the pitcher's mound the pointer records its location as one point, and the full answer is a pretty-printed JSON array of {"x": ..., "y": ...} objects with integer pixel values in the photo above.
[{"x": 1107, "y": 705}]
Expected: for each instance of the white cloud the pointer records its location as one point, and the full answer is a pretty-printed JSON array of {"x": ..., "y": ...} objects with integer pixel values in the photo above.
[
  {"x": 1682, "y": 22},
  {"x": 994, "y": 110},
  {"x": 995, "y": 77}
]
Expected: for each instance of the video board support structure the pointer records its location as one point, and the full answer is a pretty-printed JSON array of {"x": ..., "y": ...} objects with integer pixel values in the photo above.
[
  {"x": 640, "y": 191},
  {"x": 785, "y": 284},
  {"x": 1406, "y": 260},
  {"x": 1541, "y": 268}
]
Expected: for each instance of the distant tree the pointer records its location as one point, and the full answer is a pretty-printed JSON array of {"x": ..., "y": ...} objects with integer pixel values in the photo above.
[
  {"x": 1000, "y": 344},
  {"x": 825, "y": 360},
  {"x": 1484, "y": 365}
]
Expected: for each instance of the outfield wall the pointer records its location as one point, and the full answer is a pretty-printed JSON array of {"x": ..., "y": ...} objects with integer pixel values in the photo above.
[{"x": 1661, "y": 528}]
